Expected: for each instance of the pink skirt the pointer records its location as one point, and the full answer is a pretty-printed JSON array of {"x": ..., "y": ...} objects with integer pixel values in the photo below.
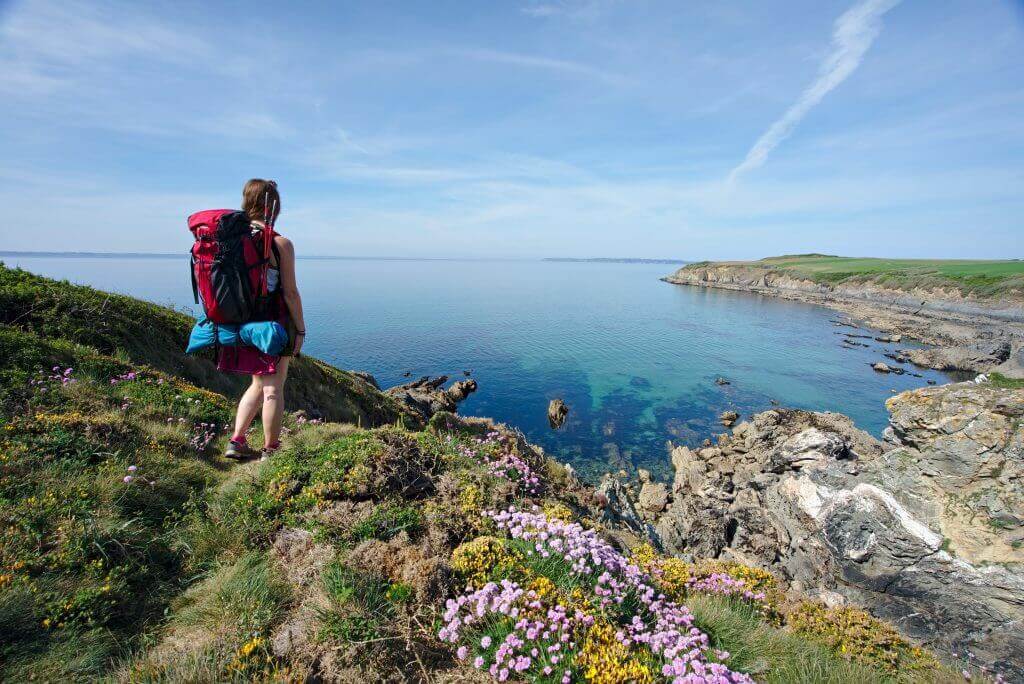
[{"x": 247, "y": 360}]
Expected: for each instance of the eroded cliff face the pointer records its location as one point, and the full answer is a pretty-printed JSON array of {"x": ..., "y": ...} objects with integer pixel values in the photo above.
[
  {"x": 779, "y": 281},
  {"x": 965, "y": 333},
  {"x": 925, "y": 529}
]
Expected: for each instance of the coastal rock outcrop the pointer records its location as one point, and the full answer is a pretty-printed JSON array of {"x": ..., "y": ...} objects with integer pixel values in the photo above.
[
  {"x": 728, "y": 418},
  {"x": 428, "y": 396},
  {"x": 925, "y": 529},
  {"x": 973, "y": 357},
  {"x": 557, "y": 412}
]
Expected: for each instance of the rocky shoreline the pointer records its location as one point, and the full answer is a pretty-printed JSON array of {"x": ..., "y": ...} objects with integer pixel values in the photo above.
[
  {"x": 965, "y": 334},
  {"x": 924, "y": 529}
]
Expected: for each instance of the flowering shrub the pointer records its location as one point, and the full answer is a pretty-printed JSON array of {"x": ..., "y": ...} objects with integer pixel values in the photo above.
[
  {"x": 479, "y": 560},
  {"x": 857, "y": 636},
  {"x": 605, "y": 621},
  {"x": 677, "y": 578},
  {"x": 57, "y": 375},
  {"x": 202, "y": 435},
  {"x": 557, "y": 510},
  {"x": 497, "y": 454},
  {"x": 125, "y": 377}
]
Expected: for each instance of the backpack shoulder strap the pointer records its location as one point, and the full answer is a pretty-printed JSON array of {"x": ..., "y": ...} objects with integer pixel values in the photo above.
[
  {"x": 192, "y": 273},
  {"x": 277, "y": 253}
]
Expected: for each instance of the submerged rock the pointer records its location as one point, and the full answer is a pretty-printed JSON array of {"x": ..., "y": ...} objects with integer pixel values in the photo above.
[{"x": 557, "y": 411}]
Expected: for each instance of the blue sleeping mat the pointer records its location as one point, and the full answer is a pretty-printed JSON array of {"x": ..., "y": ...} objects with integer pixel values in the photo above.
[{"x": 269, "y": 337}]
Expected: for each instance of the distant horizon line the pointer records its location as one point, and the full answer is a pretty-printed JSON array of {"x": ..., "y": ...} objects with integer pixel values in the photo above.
[{"x": 173, "y": 255}]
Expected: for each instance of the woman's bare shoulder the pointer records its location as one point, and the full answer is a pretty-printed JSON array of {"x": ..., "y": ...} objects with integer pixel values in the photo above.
[{"x": 284, "y": 244}]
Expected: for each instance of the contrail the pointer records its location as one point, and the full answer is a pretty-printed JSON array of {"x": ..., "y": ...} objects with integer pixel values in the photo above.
[{"x": 854, "y": 33}]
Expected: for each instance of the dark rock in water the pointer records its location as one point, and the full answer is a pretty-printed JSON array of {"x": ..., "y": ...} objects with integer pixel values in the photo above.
[
  {"x": 722, "y": 381},
  {"x": 426, "y": 396},
  {"x": 931, "y": 382},
  {"x": 728, "y": 418},
  {"x": 467, "y": 373},
  {"x": 557, "y": 411},
  {"x": 882, "y": 367},
  {"x": 896, "y": 356},
  {"x": 407, "y": 374}
]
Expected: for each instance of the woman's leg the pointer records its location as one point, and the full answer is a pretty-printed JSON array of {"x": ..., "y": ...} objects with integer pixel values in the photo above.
[
  {"x": 248, "y": 407},
  {"x": 273, "y": 403}
]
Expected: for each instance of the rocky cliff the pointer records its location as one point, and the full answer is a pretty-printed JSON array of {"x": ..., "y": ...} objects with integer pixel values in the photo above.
[
  {"x": 755, "y": 277},
  {"x": 925, "y": 529},
  {"x": 970, "y": 333}
]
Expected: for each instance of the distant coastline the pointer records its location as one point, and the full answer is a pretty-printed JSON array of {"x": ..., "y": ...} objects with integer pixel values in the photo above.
[
  {"x": 327, "y": 257},
  {"x": 92, "y": 255},
  {"x": 616, "y": 260},
  {"x": 971, "y": 311},
  {"x": 183, "y": 254}
]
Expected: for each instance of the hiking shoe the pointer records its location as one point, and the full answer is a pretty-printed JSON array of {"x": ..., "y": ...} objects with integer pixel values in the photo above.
[
  {"x": 269, "y": 451},
  {"x": 239, "y": 451}
]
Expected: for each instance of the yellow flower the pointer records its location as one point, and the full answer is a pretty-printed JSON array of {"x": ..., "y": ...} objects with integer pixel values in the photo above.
[
  {"x": 471, "y": 500},
  {"x": 606, "y": 660},
  {"x": 858, "y": 636},
  {"x": 484, "y": 557},
  {"x": 542, "y": 586},
  {"x": 556, "y": 510}
]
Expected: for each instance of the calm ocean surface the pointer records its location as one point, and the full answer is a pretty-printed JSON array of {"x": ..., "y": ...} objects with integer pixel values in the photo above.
[{"x": 633, "y": 357}]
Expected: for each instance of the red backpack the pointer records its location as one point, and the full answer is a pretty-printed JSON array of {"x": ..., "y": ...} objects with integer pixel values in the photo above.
[{"x": 229, "y": 267}]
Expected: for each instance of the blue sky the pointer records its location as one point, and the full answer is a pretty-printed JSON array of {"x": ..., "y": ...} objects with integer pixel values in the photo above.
[{"x": 704, "y": 129}]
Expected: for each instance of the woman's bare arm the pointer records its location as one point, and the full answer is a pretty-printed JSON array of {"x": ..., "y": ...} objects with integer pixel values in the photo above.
[{"x": 290, "y": 289}]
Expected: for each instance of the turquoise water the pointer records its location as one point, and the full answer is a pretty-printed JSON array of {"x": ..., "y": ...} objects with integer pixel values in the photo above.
[{"x": 633, "y": 357}]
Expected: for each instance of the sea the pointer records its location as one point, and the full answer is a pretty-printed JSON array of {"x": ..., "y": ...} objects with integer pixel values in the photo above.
[{"x": 634, "y": 358}]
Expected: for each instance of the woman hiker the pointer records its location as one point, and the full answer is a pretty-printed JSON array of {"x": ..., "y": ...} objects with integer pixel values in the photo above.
[{"x": 260, "y": 199}]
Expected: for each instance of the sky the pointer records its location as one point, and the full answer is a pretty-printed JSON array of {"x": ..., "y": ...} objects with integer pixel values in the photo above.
[{"x": 520, "y": 129}]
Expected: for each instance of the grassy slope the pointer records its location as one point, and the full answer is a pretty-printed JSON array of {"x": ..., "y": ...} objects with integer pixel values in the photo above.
[
  {"x": 151, "y": 335},
  {"x": 989, "y": 279},
  {"x": 88, "y": 561},
  {"x": 173, "y": 576}
]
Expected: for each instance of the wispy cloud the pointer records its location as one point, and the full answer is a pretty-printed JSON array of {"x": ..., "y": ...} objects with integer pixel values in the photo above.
[
  {"x": 537, "y": 62},
  {"x": 574, "y": 9},
  {"x": 853, "y": 35}
]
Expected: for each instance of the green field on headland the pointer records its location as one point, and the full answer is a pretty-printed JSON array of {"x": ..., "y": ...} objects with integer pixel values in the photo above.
[{"x": 979, "y": 278}]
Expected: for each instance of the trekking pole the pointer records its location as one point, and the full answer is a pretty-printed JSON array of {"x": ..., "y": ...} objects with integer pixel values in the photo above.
[
  {"x": 270, "y": 231},
  {"x": 264, "y": 284}
]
